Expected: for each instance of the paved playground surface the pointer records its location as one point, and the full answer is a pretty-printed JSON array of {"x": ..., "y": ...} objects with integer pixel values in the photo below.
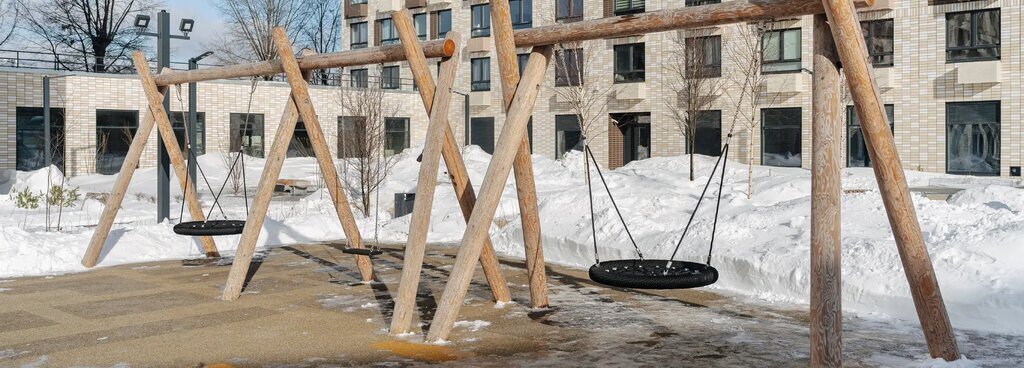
[{"x": 303, "y": 308}]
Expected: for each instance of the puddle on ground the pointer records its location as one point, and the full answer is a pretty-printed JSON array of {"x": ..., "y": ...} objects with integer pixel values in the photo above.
[{"x": 420, "y": 352}]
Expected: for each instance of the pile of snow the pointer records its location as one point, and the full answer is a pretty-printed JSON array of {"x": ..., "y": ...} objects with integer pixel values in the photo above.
[{"x": 761, "y": 248}]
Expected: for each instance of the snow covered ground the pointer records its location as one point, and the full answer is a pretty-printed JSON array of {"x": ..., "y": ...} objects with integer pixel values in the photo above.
[{"x": 976, "y": 239}]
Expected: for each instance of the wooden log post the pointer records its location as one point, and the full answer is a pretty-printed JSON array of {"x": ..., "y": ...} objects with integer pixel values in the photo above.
[
  {"x": 892, "y": 181},
  {"x": 436, "y": 101},
  {"x": 526, "y": 188},
  {"x": 264, "y": 193},
  {"x": 490, "y": 193},
  {"x": 120, "y": 189},
  {"x": 826, "y": 189}
]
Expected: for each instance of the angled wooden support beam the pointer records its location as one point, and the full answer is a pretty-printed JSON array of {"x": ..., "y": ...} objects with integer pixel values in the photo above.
[
  {"x": 826, "y": 191},
  {"x": 131, "y": 163},
  {"x": 437, "y": 102},
  {"x": 526, "y": 187},
  {"x": 490, "y": 193},
  {"x": 261, "y": 199},
  {"x": 892, "y": 180}
]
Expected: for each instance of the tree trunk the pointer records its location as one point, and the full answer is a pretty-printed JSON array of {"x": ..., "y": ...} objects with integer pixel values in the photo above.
[{"x": 99, "y": 51}]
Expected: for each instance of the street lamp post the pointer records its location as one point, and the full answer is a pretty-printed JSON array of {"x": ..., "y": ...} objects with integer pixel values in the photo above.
[
  {"x": 193, "y": 117},
  {"x": 163, "y": 52},
  {"x": 465, "y": 118}
]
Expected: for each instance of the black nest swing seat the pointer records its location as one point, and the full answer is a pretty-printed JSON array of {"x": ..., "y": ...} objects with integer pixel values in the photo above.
[
  {"x": 210, "y": 228},
  {"x": 643, "y": 273}
]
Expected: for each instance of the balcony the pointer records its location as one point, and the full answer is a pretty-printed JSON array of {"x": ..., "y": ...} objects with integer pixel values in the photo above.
[
  {"x": 438, "y": 2},
  {"x": 479, "y": 44},
  {"x": 355, "y": 10},
  {"x": 783, "y": 83},
  {"x": 387, "y": 6},
  {"x": 978, "y": 72},
  {"x": 416, "y": 3},
  {"x": 480, "y": 99},
  {"x": 879, "y": 5},
  {"x": 630, "y": 91}
]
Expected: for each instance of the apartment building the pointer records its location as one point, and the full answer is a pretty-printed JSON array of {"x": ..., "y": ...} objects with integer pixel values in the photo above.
[{"x": 949, "y": 72}]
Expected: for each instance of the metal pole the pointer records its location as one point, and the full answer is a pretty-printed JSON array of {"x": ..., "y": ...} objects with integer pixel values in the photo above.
[
  {"x": 465, "y": 118},
  {"x": 193, "y": 128},
  {"x": 163, "y": 40},
  {"x": 47, "y": 154}
]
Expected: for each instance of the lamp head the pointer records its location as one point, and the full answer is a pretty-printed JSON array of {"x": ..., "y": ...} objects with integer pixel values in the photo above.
[{"x": 186, "y": 26}]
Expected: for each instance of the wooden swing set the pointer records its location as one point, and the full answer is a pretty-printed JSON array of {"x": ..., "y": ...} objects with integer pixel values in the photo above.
[{"x": 837, "y": 41}]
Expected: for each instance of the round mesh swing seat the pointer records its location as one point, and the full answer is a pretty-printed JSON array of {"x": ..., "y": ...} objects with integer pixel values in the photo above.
[
  {"x": 210, "y": 228},
  {"x": 653, "y": 274}
]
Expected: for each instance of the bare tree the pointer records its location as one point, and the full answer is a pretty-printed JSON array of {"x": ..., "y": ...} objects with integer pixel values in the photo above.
[
  {"x": 694, "y": 81},
  {"x": 247, "y": 37},
  {"x": 578, "y": 84},
  {"x": 322, "y": 31},
  {"x": 94, "y": 30},
  {"x": 745, "y": 54},
  {"x": 9, "y": 12},
  {"x": 363, "y": 139}
]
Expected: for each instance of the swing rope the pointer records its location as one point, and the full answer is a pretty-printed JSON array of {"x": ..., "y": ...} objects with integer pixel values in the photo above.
[{"x": 622, "y": 219}]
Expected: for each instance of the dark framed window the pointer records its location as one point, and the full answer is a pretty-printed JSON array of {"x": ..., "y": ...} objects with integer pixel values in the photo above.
[
  {"x": 878, "y": 35},
  {"x": 388, "y": 33},
  {"x": 522, "y": 13},
  {"x": 30, "y": 138},
  {"x": 481, "y": 133},
  {"x": 707, "y": 139},
  {"x": 973, "y": 138},
  {"x": 780, "y": 137},
  {"x": 568, "y": 67},
  {"x": 114, "y": 132},
  {"x": 481, "y": 74},
  {"x": 973, "y": 35},
  {"x": 358, "y": 35},
  {"x": 360, "y": 78},
  {"x": 701, "y": 2},
  {"x": 247, "y": 134},
  {"x": 780, "y": 51},
  {"x": 352, "y": 137},
  {"x": 390, "y": 77},
  {"x": 420, "y": 22},
  {"x": 569, "y": 10},
  {"x": 442, "y": 23},
  {"x": 301, "y": 145},
  {"x": 568, "y": 136},
  {"x": 629, "y": 63},
  {"x": 178, "y": 124},
  {"x": 396, "y": 135},
  {"x": 856, "y": 148},
  {"x": 623, "y": 7},
  {"x": 521, "y": 60},
  {"x": 481, "y": 26},
  {"x": 704, "y": 57}
]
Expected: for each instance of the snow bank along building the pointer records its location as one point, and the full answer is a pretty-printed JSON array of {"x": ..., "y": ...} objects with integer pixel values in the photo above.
[{"x": 950, "y": 74}]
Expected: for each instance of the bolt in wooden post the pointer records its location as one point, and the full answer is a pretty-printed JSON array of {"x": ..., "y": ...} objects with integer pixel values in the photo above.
[{"x": 892, "y": 181}]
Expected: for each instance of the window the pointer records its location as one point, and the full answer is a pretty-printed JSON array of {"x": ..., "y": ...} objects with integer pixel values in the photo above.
[
  {"x": 355, "y": 2},
  {"x": 396, "y": 138},
  {"x": 247, "y": 134},
  {"x": 301, "y": 145},
  {"x": 178, "y": 123},
  {"x": 704, "y": 57},
  {"x": 701, "y": 2},
  {"x": 481, "y": 133},
  {"x": 878, "y": 35},
  {"x": 972, "y": 35},
  {"x": 568, "y": 67},
  {"x": 420, "y": 22},
  {"x": 780, "y": 51},
  {"x": 522, "y": 13},
  {"x": 972, "y": 138},
  {"x": 708, "y": 138},
  {"x": 481, "y": 20},
  {"x": 569, "y": 10},
  {"x": 629, "y": 63},
  {"x": 351, "y": 137},
  {"x": 521, "y": 60},
  {"x": 442, "y": 23},
  {"x": 360, "y": 78},
  {"x": 780, "y": 137},
  {"x": 623, "y": 7},
  {"x": 114, "y": 132},
  {"x": 387, "y": 34},
  {"x": 358, "y": 35},
  {"x": 30, "y": 145},
  {"x": 568, "y": 136},
  {"x": 856, "y": 149},
  {"x": 390, "y": 77},
  {"x": 481, "y": 74}
]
